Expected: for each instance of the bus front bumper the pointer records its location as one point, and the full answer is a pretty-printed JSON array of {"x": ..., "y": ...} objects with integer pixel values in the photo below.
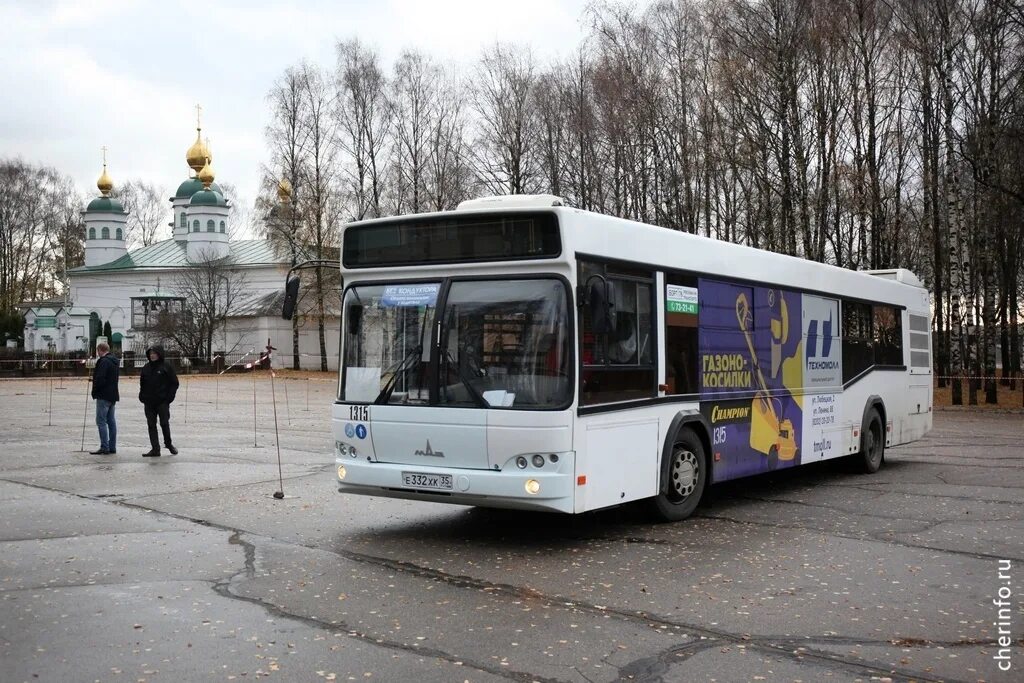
[{"x": 509, "y": 488}]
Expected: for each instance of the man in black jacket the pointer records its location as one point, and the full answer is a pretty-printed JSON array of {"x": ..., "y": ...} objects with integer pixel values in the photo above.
[
  {"x": 104, "y": 390},
  {"x": 158, "y": 385}
]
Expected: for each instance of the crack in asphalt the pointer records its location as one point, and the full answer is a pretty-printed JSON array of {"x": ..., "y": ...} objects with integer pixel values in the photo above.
[
  {"x": 860, "y": 513},
  {"x": 865, "y": 537},
  {"x": 227, "y": 588},
  {"x": 779, "y": 648}
]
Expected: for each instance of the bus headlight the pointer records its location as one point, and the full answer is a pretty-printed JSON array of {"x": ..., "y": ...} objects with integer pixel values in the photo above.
[
  {"x": 538, "y": 460},
  {"x": 532, "y": 486},
  {"x": 521, "y": 462},
  {"x": 341, "y": 472}
]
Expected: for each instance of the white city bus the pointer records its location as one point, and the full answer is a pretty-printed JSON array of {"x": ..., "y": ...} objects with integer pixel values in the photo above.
[{"x": 517, "y": 353}]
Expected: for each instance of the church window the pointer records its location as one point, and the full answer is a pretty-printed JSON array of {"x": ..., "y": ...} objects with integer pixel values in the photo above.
[
  {"x": 222, "y": 226},
  {"x": 105, "y": 233},
  {"x": 195, "y": 226},
  {"x": 184, "y": 221},
  {"x": 209, "y": 226},
  {"x": 92, "y": 233},
  {"x": 120, "y": 234}
]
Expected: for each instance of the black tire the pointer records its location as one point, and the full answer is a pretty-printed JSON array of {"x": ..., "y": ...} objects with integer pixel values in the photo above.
[
  {"x": 684, "y": 475},
  {"x": 773, "y": 458},
  {"x": 872, "y": 450}
]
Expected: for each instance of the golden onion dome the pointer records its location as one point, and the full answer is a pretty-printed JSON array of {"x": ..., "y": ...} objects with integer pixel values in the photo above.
[
  {"x": 284, "y": 191},
  {"x": 105, "y": 183},
  {"x": 206, "y": 174},
  {"x": 198, "y": 154}
]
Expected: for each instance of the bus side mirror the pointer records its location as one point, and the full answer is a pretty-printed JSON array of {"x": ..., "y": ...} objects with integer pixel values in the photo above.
[
  {"x": 355, "y": 318},
  {"x": 291, "y": 297},
  {"x": 602, "y": 318}
]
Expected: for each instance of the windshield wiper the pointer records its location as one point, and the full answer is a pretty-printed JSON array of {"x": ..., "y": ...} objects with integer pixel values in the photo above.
[
  {"x": 403, "y": 365},
  {"x": 477, "y": 396}
]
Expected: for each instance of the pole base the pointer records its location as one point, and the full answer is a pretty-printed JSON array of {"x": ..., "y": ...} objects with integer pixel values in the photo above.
[{"x": 279, "y": 495}]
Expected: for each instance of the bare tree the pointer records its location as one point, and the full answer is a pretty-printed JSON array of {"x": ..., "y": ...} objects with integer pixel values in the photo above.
[
  {"x": 38, "y": 209},
  {"x": 505, "y": 153},
  {"x": 449, "y": 176},
  {"x": 147, "y": 210},
  {"x": 282, "y": 182},
  {"x": 414, "y": 107},
  {"x": 211, "y": 291},
  {"x": 362, "y": 113},
  {"x": 321, "y": 207}
]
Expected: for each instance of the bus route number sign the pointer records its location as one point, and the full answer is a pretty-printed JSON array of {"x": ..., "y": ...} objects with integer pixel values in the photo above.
[{"x": 680, "y": 299}]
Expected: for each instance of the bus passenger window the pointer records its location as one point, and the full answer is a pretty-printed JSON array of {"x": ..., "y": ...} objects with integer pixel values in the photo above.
[
  {"x": 888, "y": 335},
  {"x": 858, "y": 343},
  {"x": 617, "y": 365}
]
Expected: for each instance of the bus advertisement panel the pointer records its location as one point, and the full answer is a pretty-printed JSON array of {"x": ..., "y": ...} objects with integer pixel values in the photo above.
[{"x": 759, "y": 373}]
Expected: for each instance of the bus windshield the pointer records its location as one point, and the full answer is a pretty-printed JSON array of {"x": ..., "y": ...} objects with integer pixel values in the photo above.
[{"x": 502, "y": 344}]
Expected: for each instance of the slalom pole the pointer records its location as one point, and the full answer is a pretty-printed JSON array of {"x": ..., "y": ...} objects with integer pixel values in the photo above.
[
  {"x": 186, "y": 399},
  {"x": 49, "y": 420},
  {"x": 85, "y": 413},
  {"x": 254, "y": 444},
  {"x": 279, "y": 494},
  {"x": 287, "y": 405},
  {"x": 307, "y": 394}
]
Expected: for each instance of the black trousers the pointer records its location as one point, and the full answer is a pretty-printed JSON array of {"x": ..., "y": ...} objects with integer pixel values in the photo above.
[{"x": 163, "y": 411}]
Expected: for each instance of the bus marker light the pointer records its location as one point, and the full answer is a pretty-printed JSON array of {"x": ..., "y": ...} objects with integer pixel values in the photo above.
[
  {"x": 532, "y": 486},
  {"x": 341, "y": 472},
  {"x": 581, "y": 480}
]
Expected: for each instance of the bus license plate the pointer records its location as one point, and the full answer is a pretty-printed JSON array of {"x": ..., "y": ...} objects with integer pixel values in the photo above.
[{"x": 419, "y": 480}]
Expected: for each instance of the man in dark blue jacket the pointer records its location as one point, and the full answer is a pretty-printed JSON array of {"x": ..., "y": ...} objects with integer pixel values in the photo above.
[
  {"x": 104, "y": 390},
  {"x": 157, "y": 386}
]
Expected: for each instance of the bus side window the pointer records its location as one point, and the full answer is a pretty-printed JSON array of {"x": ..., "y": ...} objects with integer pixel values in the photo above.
[
  {"x": 681, "y": 334},
  {"x": 888, "y": 335},
  {"x": 617, "y": 365},
  {"x": 858, "y": 341}
]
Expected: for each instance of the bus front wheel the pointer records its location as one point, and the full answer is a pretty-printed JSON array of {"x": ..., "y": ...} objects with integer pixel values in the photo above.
[
  {"x": 873, "y": 444},
  {"x": 684, "y": 475}
]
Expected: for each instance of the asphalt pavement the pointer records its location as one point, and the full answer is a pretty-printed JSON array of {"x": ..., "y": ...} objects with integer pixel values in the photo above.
[{"x": 185, "y": 568}]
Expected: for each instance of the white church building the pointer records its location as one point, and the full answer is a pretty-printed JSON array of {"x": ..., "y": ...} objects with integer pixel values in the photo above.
[{"x": 129, "y": 289}]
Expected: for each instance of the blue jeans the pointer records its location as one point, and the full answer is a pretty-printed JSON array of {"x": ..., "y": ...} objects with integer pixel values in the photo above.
[{"x": 107, "y": 425}]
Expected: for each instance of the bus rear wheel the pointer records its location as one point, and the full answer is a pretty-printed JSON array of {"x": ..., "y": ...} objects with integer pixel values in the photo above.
[
  {"x": 683, "y": 478},
  {"x": 873, "y": 444}
]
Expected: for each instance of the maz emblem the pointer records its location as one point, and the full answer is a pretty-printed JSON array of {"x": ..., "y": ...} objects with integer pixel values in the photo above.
[{"x": 429, "y": 452}]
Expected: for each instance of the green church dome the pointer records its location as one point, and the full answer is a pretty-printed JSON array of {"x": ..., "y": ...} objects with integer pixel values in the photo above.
[
  {"x": 207, "y": 198},
  {"x": 105, "y": 204},
  {"x": 193, "y": 185}
]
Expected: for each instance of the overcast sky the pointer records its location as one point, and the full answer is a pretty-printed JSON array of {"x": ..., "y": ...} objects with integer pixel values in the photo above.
[{"x": 80, "y": 75}]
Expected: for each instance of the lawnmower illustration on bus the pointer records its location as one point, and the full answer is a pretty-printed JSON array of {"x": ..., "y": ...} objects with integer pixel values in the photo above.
[{"x": 771, "y": 432}]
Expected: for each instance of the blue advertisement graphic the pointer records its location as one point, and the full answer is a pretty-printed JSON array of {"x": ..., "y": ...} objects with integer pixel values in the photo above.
[{"x": 751, "y": 362}]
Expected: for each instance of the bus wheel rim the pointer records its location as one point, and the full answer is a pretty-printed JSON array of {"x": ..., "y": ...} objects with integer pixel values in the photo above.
[{"x": 684, "y": 473}]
